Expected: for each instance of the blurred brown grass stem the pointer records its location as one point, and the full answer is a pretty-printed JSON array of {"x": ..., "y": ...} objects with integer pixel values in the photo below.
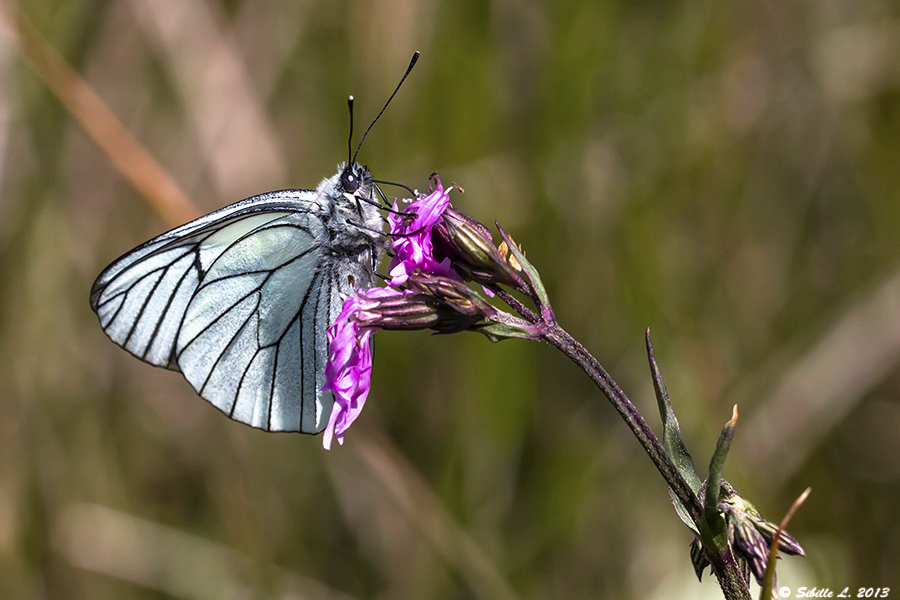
[
  {"x": 769, "y": 582},
  {"x": 150, "y": 180},
  {"x": 415, "y": 498},
  {"x": 822, "y": 386},
  {"x": 169, "y": 560}
]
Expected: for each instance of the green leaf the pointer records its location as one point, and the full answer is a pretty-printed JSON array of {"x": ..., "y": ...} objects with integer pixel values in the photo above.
[
  {"x": 533, "y": 276},
  {"x": 504, "y": 331},
  {"x": 672, "y": 440}
]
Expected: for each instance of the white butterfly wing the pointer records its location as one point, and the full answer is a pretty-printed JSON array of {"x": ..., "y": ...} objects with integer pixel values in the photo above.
[
  {"x": 253, "y": 337},
  {"x": 238, "y": 301}
]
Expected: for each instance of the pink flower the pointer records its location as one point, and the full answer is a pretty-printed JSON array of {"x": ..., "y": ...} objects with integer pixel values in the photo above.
[
  {"x": 411, "y": 237},
  {"x": 348, "y": 372}
]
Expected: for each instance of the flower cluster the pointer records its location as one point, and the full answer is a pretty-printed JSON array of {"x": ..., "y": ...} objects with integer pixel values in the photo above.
[{"x": 424, "y": 292}]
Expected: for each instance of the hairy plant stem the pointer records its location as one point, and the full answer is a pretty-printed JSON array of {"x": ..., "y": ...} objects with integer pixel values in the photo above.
[
  {"x": 724, "y": 565},
  {"x": 560, "y": 339},
  {"x": 728, "y": 573}
]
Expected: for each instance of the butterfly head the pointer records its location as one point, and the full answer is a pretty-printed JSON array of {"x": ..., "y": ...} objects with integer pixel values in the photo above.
[
  {"x": 354, "y": 181},
  {"x": 354, "y": 212},
  {"x": 350, "y": 182}
]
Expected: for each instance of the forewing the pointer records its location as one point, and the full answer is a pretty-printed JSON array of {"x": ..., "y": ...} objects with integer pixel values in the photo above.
[{"x": 141, "y": 298}]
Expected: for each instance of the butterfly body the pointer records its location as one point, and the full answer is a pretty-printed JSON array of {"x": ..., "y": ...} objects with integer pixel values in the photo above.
[{"x": 239, "y": 300}]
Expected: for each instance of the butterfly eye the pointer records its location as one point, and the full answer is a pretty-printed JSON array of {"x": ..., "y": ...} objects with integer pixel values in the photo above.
[{"x": 349, "y": 181}]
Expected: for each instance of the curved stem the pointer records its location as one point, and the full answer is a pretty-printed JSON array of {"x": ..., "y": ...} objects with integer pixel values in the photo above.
[
  {"x": 725, "y": 567},
  {"x": 560, "y": 339}
]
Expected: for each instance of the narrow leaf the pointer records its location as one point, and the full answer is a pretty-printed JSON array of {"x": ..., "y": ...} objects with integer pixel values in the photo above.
[
  {"x": 672, "y": 440},
  {"x": 533, "y": 276},
  {"x": 503, "y": 331},
  {"x": 713, "y": 523}
]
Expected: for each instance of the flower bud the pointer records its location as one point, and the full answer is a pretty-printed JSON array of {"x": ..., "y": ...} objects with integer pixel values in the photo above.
[
  {"x": 453, "y": 294},
  {"x": 431, "y": 302},
  {"x": 471, "y": 249},
  {"x": 750, "y": 535}
]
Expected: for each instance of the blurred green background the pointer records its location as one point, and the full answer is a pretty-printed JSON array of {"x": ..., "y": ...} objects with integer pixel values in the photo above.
[{"x": 727, "y": 171}]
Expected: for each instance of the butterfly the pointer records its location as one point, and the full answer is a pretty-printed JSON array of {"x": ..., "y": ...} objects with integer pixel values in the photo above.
[{"x": 239, "y": 300}]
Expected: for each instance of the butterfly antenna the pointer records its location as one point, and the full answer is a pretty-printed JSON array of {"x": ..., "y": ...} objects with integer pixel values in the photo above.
[
  {"x": 350, "y": 139},
  {"x": 412, "y": 63}
]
